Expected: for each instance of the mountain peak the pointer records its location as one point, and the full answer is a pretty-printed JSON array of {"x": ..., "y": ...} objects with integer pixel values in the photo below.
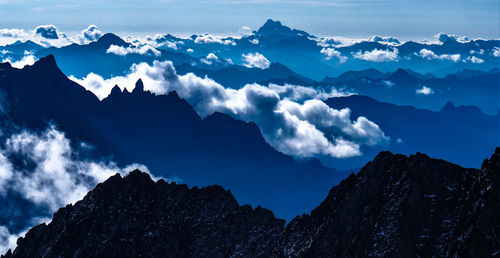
[
  {"x": 139, "y": 87},
  {"x": 448, "y": 107},
  {"x": 46, "y": 64},
  {"x": 276, "y": 28},
  {"x": 396, "y": 205},
  {"x": 115, "y": 91},
  {"x": 171, "y": 220},
  {"x": 109, "y": 39}
]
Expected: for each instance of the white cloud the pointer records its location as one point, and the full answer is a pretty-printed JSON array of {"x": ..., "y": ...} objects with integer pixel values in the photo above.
[
  {"x": 210, "y": 59},
  {"x": 13, "y": 33},
  {"x": 480, "y": 52},
  {"x": 255, "y": 60},
  {"x": 209, "y": 38},
  {"x": 429, "y": 55},
  {"x": 424, "y": 91},
  {"x": 291, "y": 118},
  {"x": 385, "y": 40},
  {"x": 28, "y": 59},
  {"x": 91, "y": 33},
  {"x": 54, "y": 177},
  {"x": 141, "y": 50},
  {"x": 7, "y": 239},
  {"x": 245, "y": 31},
  {"x": 443, "y": 37},
  {"x": 47, "y": 31},
  {"x": 190, "y": 50},
  {"x": 475, "y": 60},
  {"x": 389, "y": 84},
  {"x": 331, "y": 52},
  {"x": 496, "y": 52},
  {"x": 378, "y": 55},
  {"x": 254, "y": 41}
]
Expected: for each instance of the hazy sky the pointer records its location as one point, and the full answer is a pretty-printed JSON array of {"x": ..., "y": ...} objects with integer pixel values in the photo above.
[{"x": 406, "y": 19}]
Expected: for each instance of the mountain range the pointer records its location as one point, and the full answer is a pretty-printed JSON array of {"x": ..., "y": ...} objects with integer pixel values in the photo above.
[
  {"x": 325, "y": 56},
  {"x": 166, "y": 134},
  {"x": 396, "y": 206}
]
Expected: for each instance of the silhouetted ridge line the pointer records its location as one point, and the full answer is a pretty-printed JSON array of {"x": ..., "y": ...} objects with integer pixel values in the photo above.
[{"x": 396, "y": 206}]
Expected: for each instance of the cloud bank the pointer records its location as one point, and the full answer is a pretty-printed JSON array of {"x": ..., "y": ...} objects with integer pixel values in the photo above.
[
  {"x": 424, "y": 91},
  {"x": 91, "y": 33},
  {"x": 378, "y": 55},
  {"x": 256, "y": 60},
  {"x": 28, "y": 59},
  {"x": 47, "y": 31},
  {"x": 140, "y": 50},
  {"x": 429, "y": 55},
  {"x": 332, "y": 53},
  {"x": 293, "y": 119},
  {"x": 46, "y": 172}
]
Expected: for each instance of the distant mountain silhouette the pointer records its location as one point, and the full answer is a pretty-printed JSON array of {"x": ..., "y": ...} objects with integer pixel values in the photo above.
[
  {"x": 76, "y": 59},
  {"x": 354, "y": 75},
  {"x": 396, "y": 206},
  {"x": 478, "y": 88},
  {"x": 444, "y": 134},
  {"x": 166, "y": 134},
  {"x": 19, "y": 48},
  {"x": 238, "y": 76},
  {"x": 293, "y": 48},
  {"x": 274, "y": 29}
]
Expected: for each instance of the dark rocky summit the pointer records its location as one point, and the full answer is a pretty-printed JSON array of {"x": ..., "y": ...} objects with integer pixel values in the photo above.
[
  {"x": 396, "y": 206},
  {"x": 404, "y": 207},
  {"x": 134, "y": 216}
]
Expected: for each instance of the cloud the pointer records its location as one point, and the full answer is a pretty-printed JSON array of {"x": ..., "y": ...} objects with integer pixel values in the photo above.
[
  {"x": 257, "y": 60},
  {"x": 389, "y": 84},
  {"x": 13, "y": 33},
  {"x": 245, "y": 31},
  {"x": 209, "y": 38},
  {"x": 47, "y": 31},
  {"x": 424, "y": 91},
  {"x": 91, "y": 33},
  {"x": 293, "y": 119},
  {"x": 141, "y": 50},
  {"x": 385, "y": 40},
  {"x": 7, "y": 239},
  {"x": 378, "y": 55},
  {"x": 429, "y": 55},
  {"x": 443, "y": 37},
  {"x": 496, "y": 52},
  {"x": 255, "y": 41},
  {"x": 332, "y": 53},
  {"x": 475, "y": 60},
  {"x": 28, "y": 59},
  {"x": 211, "y": 58},
  {"x": 47, "y": 175}
]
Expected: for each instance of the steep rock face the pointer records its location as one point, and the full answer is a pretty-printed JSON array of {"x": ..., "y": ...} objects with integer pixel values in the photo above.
[
  {"x": 396, "y": 206},
  {"x": 134, "y": 216},
  {"x": 404, "y": 207}
]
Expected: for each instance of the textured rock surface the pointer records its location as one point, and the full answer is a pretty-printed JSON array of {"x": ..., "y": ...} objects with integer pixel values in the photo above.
[
  {"x": 404, "y": 207},
  {"x": 396, "y": 206},
  {"x": 133, "y": 216}
]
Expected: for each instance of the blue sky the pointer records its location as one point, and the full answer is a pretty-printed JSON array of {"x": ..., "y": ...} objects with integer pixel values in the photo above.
[{"x": 406, "y": 19}]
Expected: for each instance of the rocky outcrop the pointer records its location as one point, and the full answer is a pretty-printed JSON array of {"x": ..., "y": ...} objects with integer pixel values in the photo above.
[
  {"x": 134, "y": 216},
  {"x": 396, "y": 206},
  {"x": 404, "y": 207}
]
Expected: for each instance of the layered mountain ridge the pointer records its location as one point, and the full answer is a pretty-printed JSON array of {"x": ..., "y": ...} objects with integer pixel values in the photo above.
[
  {"x": 165, "y": 133},
  {"x": 396, "y": 206}
]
